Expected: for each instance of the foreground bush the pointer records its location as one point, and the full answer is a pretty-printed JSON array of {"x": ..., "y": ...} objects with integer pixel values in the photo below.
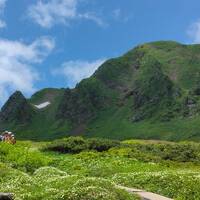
[
  {"x": 143, "y": 165},
  {"x": 97, "y": 189},
  {"x": 23, "y": 158},
  {"x": 50, "y": 184}
]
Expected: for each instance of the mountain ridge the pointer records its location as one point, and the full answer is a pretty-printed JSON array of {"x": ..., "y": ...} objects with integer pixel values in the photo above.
[{"x": 151, "y": 92}]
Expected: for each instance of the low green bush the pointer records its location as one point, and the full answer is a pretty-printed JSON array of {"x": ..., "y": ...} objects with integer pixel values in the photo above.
[
  {"x": 98, "y": 189},
  {"x": 23, "y": 158},
  {"x": 178, "y": 152},
  {"x": 68, "y": 145},
  {"x": 101, "y": 145},
  {"x": 79, "y": 144},
  {"x": 50, "y": 184},
  {"x": 134, "y": 153}
]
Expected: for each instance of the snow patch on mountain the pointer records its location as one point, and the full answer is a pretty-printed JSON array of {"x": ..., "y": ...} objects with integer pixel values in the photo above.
[{"x": 43, "y": 105}]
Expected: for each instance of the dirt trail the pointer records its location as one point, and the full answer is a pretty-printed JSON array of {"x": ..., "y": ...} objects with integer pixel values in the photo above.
[{"x": 144, "y": 195}]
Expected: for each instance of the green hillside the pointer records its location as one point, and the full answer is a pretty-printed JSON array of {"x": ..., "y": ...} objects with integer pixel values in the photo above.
[{"x": 151, "y": 92}]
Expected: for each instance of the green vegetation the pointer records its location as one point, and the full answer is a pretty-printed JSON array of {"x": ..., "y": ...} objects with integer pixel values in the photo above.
[
  {"x": 82, "y": 103},
  {"x": 151, "y": 92},
  {"x": 78, "y": 144},
  {"x": 19, "y": 157},
  {"x": 85, "y": 171},
  {"x": 16, "y": 110},
  {"x": 180, "y": 186}
]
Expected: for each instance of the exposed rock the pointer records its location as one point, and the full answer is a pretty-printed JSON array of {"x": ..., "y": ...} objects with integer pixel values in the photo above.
[{"x": 6, "y": 196}]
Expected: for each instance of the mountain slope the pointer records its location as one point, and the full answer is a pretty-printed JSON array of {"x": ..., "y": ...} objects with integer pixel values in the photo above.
[
  {"x": 44, "y": 124},
  {"x": 16, "y": 110},
  {"x": 153, "y": 91}
]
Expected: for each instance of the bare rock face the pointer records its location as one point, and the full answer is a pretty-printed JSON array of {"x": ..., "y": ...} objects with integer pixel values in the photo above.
[{"x": 6, "y": 196}]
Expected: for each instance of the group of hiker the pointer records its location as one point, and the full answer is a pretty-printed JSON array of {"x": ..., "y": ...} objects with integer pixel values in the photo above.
[{"x": 7, "y": 137}]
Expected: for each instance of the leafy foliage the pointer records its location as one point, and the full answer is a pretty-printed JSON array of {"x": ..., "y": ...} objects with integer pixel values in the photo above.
[
  {"x": 22, "y": 158},
  {"x": 78, "y": 144},
  {"x": 178, "y": 152},
  {"x": 170, "y": 169}
]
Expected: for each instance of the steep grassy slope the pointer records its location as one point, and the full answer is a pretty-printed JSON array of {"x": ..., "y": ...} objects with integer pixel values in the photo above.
[
  {"x": 16, "y": 112},
  {"x": 42, "y": 123},
  {"x": 153, "y": 91},
  {"x": 164, "y": 99}
]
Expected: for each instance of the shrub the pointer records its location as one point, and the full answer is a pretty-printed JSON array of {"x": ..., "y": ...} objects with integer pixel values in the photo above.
[
  {"x": 78, "y": 144},
  {"x": 96, "y": 189},
  {"x": 134, "y": 154},
  {"x": 22, "y": 158},
  {"x": 179, "y": 152},
  {"x": 102, "y": 144}
]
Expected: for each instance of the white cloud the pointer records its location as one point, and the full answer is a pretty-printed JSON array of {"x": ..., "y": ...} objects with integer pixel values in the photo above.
[
  {"x": 194, "y": 32},
  {"x": 75, "y": 71},
  {"x": 2, "y": 7},
  {"x": 16, "y": 60},
  {"x": 51, "y": 12}
]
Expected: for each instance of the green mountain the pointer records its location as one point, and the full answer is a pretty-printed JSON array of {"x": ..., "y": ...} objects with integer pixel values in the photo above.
[
  {"x": 151, "y": 92},
  {"x": 16, "y": 110}
]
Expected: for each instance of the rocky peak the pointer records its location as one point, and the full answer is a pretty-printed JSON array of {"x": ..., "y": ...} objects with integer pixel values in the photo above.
[{"x": 16, "y": 109}]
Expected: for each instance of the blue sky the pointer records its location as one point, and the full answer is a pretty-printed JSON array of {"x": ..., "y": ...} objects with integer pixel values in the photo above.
[{"x": 56, "y": 43}]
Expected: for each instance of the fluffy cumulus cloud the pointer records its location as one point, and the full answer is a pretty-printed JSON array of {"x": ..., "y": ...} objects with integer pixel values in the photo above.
[
  {"x": 2, "y": 6},
  {"x": 16, "y": 64},
  {"x": 51, "y": 12},
  {"x": 75, "y": 71},
  {"x": 194, "y": 32}
]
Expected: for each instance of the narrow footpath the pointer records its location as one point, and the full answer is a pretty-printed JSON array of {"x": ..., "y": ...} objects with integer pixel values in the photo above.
[{"x": 144, "y": 195}]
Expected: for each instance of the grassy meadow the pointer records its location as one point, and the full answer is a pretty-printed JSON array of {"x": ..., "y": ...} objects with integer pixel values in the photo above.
[{"x": 89, "y": 169}]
